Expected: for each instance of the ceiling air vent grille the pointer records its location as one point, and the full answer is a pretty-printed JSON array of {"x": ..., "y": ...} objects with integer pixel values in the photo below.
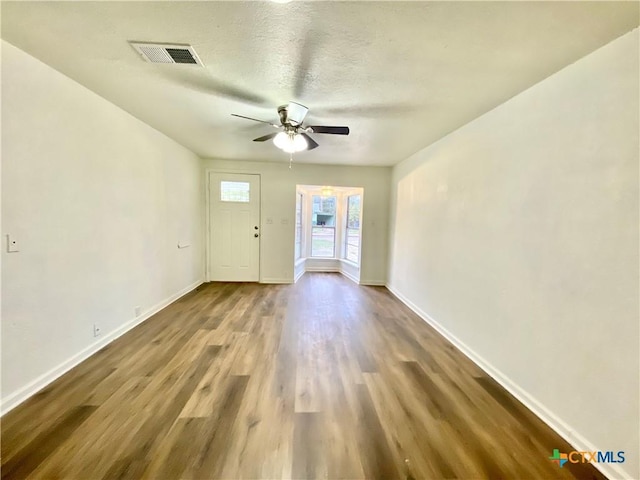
[{"x": 167, "y": 53}]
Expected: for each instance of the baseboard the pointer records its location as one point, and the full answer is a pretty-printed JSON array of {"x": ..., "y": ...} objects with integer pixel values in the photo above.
[
  {"x": 299, "y": 275},
  {"x": 16, "y": 398},
  {"x": 276, "y": 280},
  {"x": 373, "y": 283},
  {"x": 323, "y": 269},
  {"x": 351, "y": 277},
  {"x": 577, "y": 441}
]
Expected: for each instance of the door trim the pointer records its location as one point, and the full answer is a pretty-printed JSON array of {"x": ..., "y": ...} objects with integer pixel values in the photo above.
[{"x": 207, "y": 225}]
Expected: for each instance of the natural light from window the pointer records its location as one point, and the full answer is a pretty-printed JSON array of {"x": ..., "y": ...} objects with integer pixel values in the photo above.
[
  {"x": 352, "y": 237},
  {"x": 234, "y": 192},
  {"x": 328, "y": 230},
  {"x": 323, "y": 231},
  {"x": 298, "y": 248}
]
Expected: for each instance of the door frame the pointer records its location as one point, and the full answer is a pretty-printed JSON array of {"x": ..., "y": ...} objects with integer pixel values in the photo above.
[{"x": 207, "y": 256}]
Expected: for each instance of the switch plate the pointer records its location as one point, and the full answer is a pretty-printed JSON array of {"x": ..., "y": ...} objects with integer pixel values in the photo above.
[
  {"x": 269, "y": 221},
  {"x": 96, "y": 330},
  {"x": 12, "y": 244}
]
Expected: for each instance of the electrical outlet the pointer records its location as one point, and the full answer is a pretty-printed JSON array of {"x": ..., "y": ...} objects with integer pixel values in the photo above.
[
  {"x": 137, "y": 310},
  {"x": 96, "y": 330}
]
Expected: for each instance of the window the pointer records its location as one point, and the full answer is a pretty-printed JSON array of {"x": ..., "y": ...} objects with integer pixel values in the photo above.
[
  {"x": 234, "y": 192},
  {"x": 298, "y": 250},
  {"x": 352, "y": 246},
  {"x": 323, "y": 230}
]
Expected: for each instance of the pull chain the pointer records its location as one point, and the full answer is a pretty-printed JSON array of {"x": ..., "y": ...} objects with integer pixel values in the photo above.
[{"x": 290, "y": 160}]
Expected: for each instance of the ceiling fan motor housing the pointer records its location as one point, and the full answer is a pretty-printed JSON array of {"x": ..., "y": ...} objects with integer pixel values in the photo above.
[
  {"x": 293, "y": 113},
  {"x": 282, "y": 113}
]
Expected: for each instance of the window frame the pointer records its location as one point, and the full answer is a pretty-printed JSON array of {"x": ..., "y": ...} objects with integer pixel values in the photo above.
[
  {"x": 324, "y": 227},
  {"x": 299, "y": 226},
  {"x": 347, "y": 229}
]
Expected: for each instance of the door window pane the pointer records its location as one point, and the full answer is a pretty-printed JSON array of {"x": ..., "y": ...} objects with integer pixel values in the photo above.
[
  {"x": 234, "y": 192},
  {"x": 323, "y": 231}
]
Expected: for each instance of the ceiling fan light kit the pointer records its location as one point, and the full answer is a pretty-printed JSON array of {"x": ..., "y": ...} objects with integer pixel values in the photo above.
[
  {"x": 290, "y": 142},
  {"x": 294, "y": 135}
]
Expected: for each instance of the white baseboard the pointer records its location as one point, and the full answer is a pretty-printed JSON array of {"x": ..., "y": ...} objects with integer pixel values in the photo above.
[
  {"x": 16, "y": 398},
  {"x": 574, "y": 438},
  {"x": 335, "y": 266},
  {"x": 329, "y": 269},
  {"x": 299, "y": 275},
  {"x": 322, "y": 265},
  {"x": 276, "y": 280},
  {"x": 351, "y": 277}
]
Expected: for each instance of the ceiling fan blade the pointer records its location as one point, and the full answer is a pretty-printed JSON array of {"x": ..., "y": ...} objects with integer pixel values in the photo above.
[
  {"x": 255, "y": 120},
  {"x": 330, "y": 130},
  {"x": 296, "y": 113},
  {"x": 312, "y": 143},
  {"x": 265, "y": 138}
]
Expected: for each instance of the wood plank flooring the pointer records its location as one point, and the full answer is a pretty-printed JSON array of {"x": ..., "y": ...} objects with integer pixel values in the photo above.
[{"x": 321, "y": 379}]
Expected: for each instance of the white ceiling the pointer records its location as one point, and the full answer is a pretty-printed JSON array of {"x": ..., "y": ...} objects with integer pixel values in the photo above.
[{"x": 401, "y": 75}]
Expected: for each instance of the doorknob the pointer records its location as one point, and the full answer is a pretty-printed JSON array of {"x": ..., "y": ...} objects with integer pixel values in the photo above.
[
  {"x": 256, "y": 235},
  {"x": 256, "y": 227}
]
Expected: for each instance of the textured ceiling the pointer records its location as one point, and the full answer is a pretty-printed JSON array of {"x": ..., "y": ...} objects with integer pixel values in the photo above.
[{"x": 401, "y": 75}]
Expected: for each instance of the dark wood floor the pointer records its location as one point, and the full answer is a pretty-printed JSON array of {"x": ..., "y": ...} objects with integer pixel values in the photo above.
[{"x": 322, "y": 379}]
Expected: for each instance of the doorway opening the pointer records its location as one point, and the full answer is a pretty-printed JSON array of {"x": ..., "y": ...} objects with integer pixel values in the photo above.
[{"x": 328, "y": 233}]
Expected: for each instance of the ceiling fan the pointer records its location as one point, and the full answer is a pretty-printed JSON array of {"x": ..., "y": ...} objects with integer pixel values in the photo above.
[{"x": 294, "y": 136}]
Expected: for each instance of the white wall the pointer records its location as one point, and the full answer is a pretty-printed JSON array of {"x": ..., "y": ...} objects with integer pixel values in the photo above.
[
  {"x": 278, "y": 191},
  {"x": 518, "y": 234},
  {"x": 98, "y": 201}
]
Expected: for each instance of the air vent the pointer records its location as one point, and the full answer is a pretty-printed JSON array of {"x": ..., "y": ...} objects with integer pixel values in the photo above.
[{"x": 167, "y": 53}]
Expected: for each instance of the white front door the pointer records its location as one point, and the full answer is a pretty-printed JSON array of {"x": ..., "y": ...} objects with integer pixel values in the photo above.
[{"x": 234, "y": 235}]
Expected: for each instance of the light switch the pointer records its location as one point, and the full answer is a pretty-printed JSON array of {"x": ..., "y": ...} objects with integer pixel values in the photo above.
[
  {"x": 12, "y": 244},
  {"x": 269, "y": 221}
]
